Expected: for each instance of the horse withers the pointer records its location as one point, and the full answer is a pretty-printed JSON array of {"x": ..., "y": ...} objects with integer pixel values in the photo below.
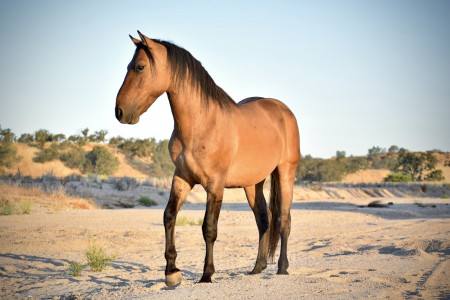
[{"x": 218, "y": 144}]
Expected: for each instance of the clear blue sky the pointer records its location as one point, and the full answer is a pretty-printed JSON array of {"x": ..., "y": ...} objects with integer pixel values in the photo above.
[{"x": 356, "y": 74}]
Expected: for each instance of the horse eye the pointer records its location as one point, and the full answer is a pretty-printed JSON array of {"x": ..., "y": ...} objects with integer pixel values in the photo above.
[{"x": 139, "y": 68}]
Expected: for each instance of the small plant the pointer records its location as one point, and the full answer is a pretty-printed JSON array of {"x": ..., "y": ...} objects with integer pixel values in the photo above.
[
  {"x": 25, "y": 207},
  {"x": 9, "y": 208},
  {"x": 183, "y": 221},
  {"x": 146, "y": 201},
  {"x": 75, "y": 268},
  {"x": 97, "y": 258},
  {"x": 6, "y": 208},
  {"x": 445, "y": 196}
]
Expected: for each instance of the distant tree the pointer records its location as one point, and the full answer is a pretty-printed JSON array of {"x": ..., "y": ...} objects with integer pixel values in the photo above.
[
  {"x": 417, "y": 165},
  {"x": 7, "y": 136},
  {"x": 316, "y": 169},
  {"x": 138, "y": 147},
  {"x": 8, "y": 151},
  {"x": 340, "y": 154},
  {"x": 58, "y": 137},
  {"x": 378, "y": 160},
  {"x": 100, "y": 136},
  {"x": 85, "y": 138},
  {"x": 41, "y": 137},
  {"x": 376, "y": 151},
  {"x": 26, "y": 138},
  {"x": 393, "y": 149},
  {"x": 355, "y": 164},
  {"x": 116, "y": 140}
]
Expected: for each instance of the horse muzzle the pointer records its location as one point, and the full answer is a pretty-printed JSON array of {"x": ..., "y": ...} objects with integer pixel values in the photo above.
[{"x": 127, "y": 117}]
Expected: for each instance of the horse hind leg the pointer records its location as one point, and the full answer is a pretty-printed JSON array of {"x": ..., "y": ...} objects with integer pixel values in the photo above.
[
  {"x": 286, "y": 178},
  {"x": 257, "y": 202}
]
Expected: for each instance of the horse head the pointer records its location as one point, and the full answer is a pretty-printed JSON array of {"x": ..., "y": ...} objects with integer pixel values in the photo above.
[{"x": 147, "y": 78}]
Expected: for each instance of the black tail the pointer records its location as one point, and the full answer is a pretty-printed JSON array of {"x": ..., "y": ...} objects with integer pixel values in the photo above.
[{"x": 274, "y": 205}]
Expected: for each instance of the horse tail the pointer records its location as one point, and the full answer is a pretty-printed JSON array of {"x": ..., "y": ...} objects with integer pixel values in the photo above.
[{"x": 274, "y": 229}]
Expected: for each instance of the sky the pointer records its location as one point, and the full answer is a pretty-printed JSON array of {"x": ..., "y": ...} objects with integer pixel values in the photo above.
[{"x": 356, "y": 74}]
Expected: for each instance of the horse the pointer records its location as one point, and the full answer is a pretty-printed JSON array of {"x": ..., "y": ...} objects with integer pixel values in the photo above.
[{"x": 218, "y": 144}]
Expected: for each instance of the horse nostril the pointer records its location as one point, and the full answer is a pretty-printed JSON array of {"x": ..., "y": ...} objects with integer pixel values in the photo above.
[{"x": 119, "y": 113}]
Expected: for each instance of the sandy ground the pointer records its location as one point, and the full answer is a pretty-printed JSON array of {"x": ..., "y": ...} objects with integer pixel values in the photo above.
[{"x": 337, "y": 250}]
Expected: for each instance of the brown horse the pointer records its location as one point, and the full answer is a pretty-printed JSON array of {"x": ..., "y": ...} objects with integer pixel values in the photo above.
[{"x": 218, "y": 144}]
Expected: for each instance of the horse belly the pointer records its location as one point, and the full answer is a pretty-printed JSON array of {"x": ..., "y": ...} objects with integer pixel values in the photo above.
[{"x": 258, "y": 154}]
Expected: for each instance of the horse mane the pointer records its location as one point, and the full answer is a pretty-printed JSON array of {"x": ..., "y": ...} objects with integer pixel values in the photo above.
[{"x": 182, "y": 62}]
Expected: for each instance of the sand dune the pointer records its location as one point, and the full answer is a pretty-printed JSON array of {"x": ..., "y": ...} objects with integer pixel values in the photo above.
[{"x": 337, "y": 249}]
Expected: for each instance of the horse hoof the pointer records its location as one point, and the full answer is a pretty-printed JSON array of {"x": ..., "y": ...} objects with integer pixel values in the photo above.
[
  {"x": 174, "y": 279},
  {"x": 258, "y": 269},
  {"x": 205, "y": 279},
  {"x": 282, "y": 272}
]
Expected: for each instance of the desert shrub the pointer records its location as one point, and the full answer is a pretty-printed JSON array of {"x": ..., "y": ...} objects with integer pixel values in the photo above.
[
  {"x": 102, "y": 161},
  {"x": 8, "y": 155},
  {"x": 445, "y": 196},
  {"x": 75, "y": 268},
  {"x": 126, "y": 183},
  {"x": 146, "y": 201},
  {"x": 48, "y": 154},
  {"x": 75, "y": 158},
  {"x": 397, "y": 177},
  {"x": 435, "y": 175},
  {"x": 97, "y": 258}
]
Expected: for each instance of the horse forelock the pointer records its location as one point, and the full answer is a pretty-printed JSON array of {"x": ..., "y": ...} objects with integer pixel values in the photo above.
[{"x": 183, "y": 63}]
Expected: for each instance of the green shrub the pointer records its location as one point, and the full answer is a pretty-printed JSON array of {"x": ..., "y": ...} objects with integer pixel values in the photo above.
[
  {"x": 97, "y": 258},
  {"x": 75, "y": 158},
  {"x": 146, "y": 201},
  {"x": 445, "y": 196},
  {"x": 8, "y": 155},
  {"x": 102, "y": 161},
  {"x": 435, "y": 175},
  {"x": 397, "y": 177},
  {"x": 75, "y": 268},
  {"x": 48, "y": 154}
]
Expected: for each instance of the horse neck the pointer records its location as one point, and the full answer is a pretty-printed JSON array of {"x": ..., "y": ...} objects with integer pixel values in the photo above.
[{"x": 191, "y": 116}]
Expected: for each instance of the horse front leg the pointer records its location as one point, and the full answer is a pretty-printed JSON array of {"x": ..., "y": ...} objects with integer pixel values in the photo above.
[
  {"x": 209, "y": 228},
  {"x": 178, "y": 193}
]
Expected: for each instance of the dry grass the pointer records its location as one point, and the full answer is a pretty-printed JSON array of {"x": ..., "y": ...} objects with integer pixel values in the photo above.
[{"x": 41, "y": 200}]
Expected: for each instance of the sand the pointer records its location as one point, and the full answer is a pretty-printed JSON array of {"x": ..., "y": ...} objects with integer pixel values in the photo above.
[{"x": 337, "y": 250}]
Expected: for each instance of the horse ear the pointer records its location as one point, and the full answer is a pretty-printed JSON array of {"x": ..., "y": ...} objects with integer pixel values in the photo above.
[
  {"x": 135, "y": 41},
  {"x": 146, "y": 41}
]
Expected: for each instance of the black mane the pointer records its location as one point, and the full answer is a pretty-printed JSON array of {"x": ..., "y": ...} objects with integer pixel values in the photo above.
[{"x": 182, "y": 62}]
